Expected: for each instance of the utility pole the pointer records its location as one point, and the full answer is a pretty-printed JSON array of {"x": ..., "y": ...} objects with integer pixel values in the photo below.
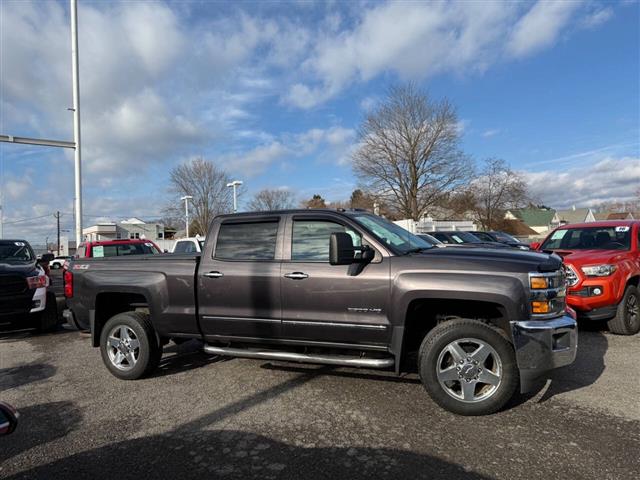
[
  {"x": 235, "y": 184},
  {"x": 76, "y": 120},
  {"x": 57, "y": 216},
  {"x": 77, "y": 211},
  {"x": 186, "y": 199}
]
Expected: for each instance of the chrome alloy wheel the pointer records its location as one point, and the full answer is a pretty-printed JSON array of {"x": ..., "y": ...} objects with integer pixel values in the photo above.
[
  {"x": 469, "y": 370},
  {"x": 123, "y": 347}
]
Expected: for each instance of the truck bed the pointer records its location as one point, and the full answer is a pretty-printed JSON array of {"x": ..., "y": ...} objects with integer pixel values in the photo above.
[{"x": 165, "y": 284}]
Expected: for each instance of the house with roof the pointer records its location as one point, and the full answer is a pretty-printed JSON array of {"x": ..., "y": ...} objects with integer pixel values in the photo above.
[
  {"x": 573, "y": 215},
  {"x": 620, "y": 216},
  {"x": 538, "y": 219}
]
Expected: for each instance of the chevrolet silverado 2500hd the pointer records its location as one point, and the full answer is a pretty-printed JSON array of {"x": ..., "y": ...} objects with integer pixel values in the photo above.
[{"x": 342, "y": 288}]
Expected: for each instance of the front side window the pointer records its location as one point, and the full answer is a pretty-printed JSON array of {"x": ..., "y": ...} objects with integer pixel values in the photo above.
[
  {"x": 247, "y": 241},
  {"x": 310, "y": 239}
]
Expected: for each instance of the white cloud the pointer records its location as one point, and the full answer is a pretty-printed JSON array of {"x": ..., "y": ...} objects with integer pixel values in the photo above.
[
  {"x": 491, "y": 132},
  {"x": 541, "y": 26},
  {"x": 333, "y": 145},
  {"x": 597, "y": 18},
  {"x": 588, "y": 184}
]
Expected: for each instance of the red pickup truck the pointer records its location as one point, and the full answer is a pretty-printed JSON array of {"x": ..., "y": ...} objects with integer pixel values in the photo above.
[
  {"x": 116, "y": 248},
  {"x": 602, "y": 263}
]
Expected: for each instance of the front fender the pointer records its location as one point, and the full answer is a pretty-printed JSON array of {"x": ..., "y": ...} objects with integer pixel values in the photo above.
[{"x": 505, "y": 290}]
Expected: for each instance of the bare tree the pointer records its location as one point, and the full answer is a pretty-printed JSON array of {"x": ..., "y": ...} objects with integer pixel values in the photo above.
[
  {"x": 409, "y": 153},
  {"x": 497, "y": 189},
  {"x": 272, "y": 199},
  {"x": 207, "y": 184},
  {"x": 314, "y": 202}
]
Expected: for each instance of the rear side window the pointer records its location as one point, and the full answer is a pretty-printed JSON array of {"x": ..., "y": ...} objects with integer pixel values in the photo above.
[
  {"x": 81, "y": 253},
  {"x": 247, "y": 241}
]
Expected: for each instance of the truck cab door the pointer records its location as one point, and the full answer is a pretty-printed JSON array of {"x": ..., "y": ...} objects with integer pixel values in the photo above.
[
  {"x": 323, "y": 302},
  {"x": 238, "y": 279}
]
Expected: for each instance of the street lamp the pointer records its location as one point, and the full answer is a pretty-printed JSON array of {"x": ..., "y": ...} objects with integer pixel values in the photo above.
[
  {"x": 234, "y": 184},
  {"x": 186, "y": 199}
]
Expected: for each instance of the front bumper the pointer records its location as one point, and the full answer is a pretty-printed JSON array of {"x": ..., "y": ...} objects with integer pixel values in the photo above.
[{"x": 542, "y": 345}]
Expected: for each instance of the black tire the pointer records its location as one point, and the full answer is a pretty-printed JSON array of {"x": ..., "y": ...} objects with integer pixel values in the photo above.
[
  {"x": 627, "y": 319},
  {"x": 434, "y": 350},
  {"x": 149, "y": 351},
  {"x": 47, "y": 320}
]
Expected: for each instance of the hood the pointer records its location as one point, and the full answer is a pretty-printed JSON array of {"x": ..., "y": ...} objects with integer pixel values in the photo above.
[
  {"x": 488, "y": 259},
  {"x": 589, "y": 257}
]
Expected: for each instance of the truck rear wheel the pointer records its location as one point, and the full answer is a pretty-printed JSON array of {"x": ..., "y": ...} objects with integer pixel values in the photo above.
[
  {"x": 129, "y": 346},
  {"x": 47, "y": 320},
  {"x": 627, "y": 319},
  {"x": 468, "y": 367}
]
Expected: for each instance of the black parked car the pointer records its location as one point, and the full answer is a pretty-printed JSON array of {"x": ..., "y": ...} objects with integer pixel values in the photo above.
[
  {"x": 501, "y": 237},
  {"x": 466, "y": 239}
]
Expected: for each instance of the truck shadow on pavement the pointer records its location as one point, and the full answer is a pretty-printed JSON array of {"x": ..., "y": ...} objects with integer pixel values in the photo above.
[
  {"x": 193, "y": 450},
  {"x": 39, "y": 425},
  {"x": 587, "y": 368},
  {"x": 25, "y": 374},
  {"x": 184, "y": 357}
]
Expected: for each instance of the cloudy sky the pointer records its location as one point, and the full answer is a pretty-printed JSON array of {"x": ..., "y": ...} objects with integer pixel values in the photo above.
[{"x": 274, "y": 91}]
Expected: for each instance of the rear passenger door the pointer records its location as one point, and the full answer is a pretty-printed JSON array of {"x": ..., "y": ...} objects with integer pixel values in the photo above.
[{"x": 239, "y": 279}]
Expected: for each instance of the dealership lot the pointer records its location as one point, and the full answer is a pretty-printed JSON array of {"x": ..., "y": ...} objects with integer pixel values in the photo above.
[{"x": 209, "y": 417}]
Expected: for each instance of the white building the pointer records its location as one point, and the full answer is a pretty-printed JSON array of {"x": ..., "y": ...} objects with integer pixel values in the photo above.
[{"x": 133, "y": 228}]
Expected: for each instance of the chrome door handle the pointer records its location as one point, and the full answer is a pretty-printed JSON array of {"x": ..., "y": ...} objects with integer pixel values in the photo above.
[
  {"x": 214, "y": 275},
  {"x": 296, "y": 275}
]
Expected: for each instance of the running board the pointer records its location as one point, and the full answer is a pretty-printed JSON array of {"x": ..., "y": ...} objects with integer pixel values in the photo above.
[{"x": 342, "y": 360}]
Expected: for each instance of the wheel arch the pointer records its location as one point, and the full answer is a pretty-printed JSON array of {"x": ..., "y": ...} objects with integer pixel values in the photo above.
[{"x": 110, "y": 303}]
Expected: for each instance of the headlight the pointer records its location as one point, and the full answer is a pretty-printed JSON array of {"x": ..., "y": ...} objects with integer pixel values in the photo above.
[{"x": 599, "y": 270}]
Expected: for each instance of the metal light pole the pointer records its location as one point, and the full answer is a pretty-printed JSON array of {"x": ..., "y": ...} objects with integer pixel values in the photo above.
[
  {"x": 76, "y": 119},
  {"x": 234, "y": 184},
  {"x": 186, "y": 199}
]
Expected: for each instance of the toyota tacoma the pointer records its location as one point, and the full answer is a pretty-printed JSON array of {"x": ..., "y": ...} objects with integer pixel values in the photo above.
[{"x": 603, "y": 271}]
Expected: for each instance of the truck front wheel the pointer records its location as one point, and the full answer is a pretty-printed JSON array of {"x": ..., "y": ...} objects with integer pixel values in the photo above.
[
  {"x": 627, "y": 319},
  {"x": 129, "y": 346},
  {"x": 468, "y": 367}
]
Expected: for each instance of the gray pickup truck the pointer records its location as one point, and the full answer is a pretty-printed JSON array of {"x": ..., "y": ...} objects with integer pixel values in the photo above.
[{"x": 344, "y": 288}]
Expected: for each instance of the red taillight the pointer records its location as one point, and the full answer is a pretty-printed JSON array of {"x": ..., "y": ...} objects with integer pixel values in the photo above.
[
  {"x": 67, "y": 279},
  {"x": 38, "y": 281}
]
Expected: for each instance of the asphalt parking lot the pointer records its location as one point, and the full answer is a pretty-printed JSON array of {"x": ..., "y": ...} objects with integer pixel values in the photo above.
[{"x": 209, "y": 417}]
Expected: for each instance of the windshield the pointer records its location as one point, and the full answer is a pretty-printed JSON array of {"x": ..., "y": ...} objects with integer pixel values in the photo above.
[
  {"x": 396, "y": 237},
  {"x": 122, "y": 249},
  {"x": 589, "y": 238},
  {"x": 15, "y": 252},
  {"x": 429, "y": 238},
  {"x": 457, "y": 237},
  {"x": 505, "y": 237}
]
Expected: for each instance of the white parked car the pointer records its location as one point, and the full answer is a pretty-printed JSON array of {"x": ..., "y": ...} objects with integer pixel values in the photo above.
[
  {"x": 188, "y": 245},
  {"x": 58, "y": 262}
]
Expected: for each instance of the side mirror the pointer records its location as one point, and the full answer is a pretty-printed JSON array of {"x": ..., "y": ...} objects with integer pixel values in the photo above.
[
  {"x": 534, "y": 246},
  {"x": 46, "y": 257},
  {"x": 341, "y": 250},
  {"x": 8, "y": 419}
]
